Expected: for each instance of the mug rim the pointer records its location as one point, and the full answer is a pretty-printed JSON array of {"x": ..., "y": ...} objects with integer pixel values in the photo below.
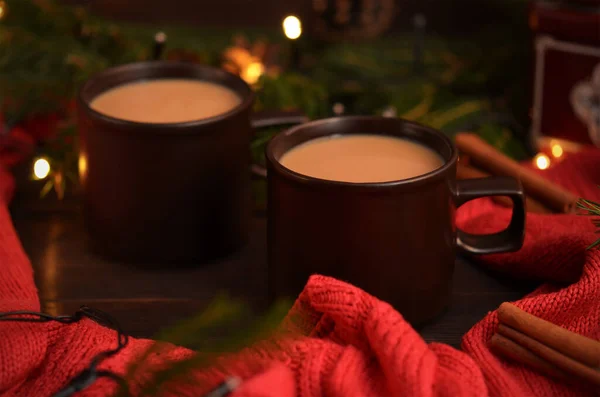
[
  {"x": 247, "y": 99},
  {"x": 436, "y": 173}
]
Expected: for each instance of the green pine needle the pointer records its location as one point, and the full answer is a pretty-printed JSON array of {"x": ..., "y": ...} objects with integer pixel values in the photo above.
[
  {"x": 47, "y": 188},
  {"x": 590, "y": 208},
  {"x": 213, "y": 332}
]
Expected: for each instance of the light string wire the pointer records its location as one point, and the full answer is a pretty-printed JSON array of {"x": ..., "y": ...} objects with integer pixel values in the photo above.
[{"x": 90, "y": 374}]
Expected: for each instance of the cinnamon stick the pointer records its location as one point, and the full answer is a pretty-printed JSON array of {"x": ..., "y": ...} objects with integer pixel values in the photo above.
[
  {"x": 547, "y": 353},
  {"x": 486, "y": 156},
  {"x": 571, "y": 344},
  {"x": 512, "y": 350},
  {"x": 468, "y": 172}
]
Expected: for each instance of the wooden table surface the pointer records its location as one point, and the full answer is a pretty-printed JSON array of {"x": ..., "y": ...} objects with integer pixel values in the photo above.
[{"x": 144, "y": 301}]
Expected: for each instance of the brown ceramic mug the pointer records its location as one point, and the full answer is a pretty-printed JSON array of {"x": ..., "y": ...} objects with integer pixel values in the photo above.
[
  {"x": 165, "y": 193},
  {"x": 396, "y": 240}
]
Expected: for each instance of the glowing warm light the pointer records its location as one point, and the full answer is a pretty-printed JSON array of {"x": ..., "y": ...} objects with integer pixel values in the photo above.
[
  {"x": 41, "y": 168},
  {"x": 2, "y": 9},
  {"x": 160, "y": 37},
  {"x": 557, "y": 150},
  {"x": 253, "y": 72},
  {"x": 292, "y": 27},
  {"x": 338, "y": 108},
  {"x": 542, "y": 161},
  {"x": 82, "y": 165}
]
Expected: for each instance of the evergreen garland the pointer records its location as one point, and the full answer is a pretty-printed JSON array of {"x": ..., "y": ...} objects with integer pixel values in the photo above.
[{"x": 48, "y": 50}]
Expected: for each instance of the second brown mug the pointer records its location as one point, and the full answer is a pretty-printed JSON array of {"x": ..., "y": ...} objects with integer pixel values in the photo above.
[
  {"x": 396, "y": 240},
  {"x": 168, "y": 193}
]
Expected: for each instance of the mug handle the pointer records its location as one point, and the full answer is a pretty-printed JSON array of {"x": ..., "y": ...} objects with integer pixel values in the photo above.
[
  {"x": 266, "y": 119},
  {"x": 508, "y": 240}
]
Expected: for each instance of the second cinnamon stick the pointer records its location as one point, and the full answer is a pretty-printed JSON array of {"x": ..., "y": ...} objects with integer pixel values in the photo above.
[
  {"x": 576, "y": 346},
  {"x": 497, "y": 163},
  {"x": 548, "y": 354},
  {"x": 506, "y": 347}
]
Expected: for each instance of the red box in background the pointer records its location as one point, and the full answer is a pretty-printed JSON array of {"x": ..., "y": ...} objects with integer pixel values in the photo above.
[{"x": 566, "y": 97}]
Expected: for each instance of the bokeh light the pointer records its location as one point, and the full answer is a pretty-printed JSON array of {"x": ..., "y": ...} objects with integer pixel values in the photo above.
[
  {"x": 557, "y": 150},
  {"x": 542, "y": 161},
  {"x": 253, "y": 72},
  {"x": 41, "y": 168},
  {"x": 2, "y": 9},
  {"x": 292, "y": 27}
]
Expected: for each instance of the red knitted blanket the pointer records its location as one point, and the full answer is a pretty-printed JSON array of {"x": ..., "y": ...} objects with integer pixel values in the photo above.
[{"x": 347, "y": 343}]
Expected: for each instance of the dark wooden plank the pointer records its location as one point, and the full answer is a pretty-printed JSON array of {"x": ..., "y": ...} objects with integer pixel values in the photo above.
[
  {"x": 475, "y": 293},
  {"x": 66, "y": 270},
  {"x": 146, "y": 300},
  {"x": 141, "y": 318}
]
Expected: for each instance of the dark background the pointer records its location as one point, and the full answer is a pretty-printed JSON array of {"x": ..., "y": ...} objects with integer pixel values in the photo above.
[{"x": 444, "y": 16}]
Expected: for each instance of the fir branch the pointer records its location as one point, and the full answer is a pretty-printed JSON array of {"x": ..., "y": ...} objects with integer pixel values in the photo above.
[
  {"x": 221, "y": 316},
  {"x": 590, "y": 208},
  {"x": 49, "y": 49}
]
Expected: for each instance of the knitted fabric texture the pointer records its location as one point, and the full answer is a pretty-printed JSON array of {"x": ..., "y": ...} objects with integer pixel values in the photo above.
[{"x": 343, "y": 341}]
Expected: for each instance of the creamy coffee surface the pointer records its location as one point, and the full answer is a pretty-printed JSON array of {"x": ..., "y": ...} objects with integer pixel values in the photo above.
[
  {"x": 166, "y": 101},
  {"x": 361, "y": 158}
]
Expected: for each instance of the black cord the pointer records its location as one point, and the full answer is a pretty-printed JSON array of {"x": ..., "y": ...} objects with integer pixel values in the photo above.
[
  {"x": 40, "y": 317},
  {"x": 89, "y": 375}
]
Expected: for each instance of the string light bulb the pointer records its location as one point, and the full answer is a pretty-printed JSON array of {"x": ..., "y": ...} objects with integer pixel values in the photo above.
[
  {"x": 557, "y": 150},
  {"x": 82, "y": 165},
  {"x": 253, "y": 72},
  {"x": 160, "y": 38},
  {"x": 292, "y": 27},
  {"x": 41, "y": 168},
  {"x": 542, "y": 161}
]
